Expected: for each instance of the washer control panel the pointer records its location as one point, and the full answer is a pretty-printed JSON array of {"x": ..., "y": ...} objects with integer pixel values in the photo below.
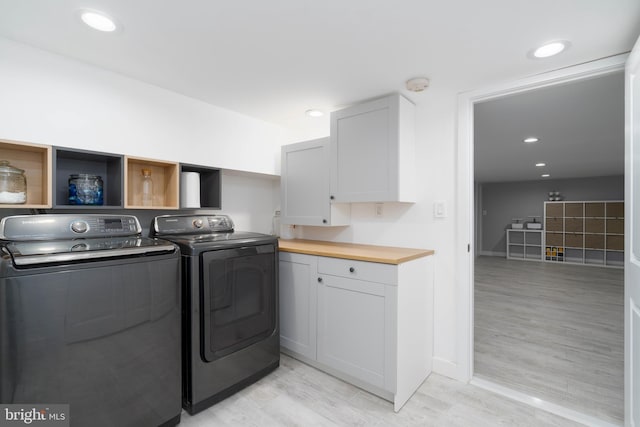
[
  {"x": 67, "y": 226},
  {"x": 111, "y": 226}
]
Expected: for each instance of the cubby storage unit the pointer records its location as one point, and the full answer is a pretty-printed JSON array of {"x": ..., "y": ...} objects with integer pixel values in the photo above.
[
  {"x": 524, "y": 244},
  {"x": 585, "y": 232},
  {"x": 35, "y": 160},
  {"x": 47, "y": 171},
  {"x": 166, "y": 184},
  {"x": 68, "y": 161},
  {"x": 210, "y": 185},
  {"x": 554, "y": 253}
]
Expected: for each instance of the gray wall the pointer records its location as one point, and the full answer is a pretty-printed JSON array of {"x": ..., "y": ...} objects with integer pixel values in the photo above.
[{"x": 500, "y": 202}]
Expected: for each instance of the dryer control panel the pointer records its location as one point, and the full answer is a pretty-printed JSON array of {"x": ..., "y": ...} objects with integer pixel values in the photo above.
[{"x": 191, "y": 224}]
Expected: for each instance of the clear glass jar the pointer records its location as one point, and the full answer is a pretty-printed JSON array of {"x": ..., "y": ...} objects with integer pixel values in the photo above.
[
  {"x": 85, "y": 189},
  {"x": 13, "y": 184}
]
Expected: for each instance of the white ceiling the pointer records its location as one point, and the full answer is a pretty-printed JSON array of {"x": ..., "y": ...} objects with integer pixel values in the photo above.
[
  {"x": 580, "y": 126},
  {"x": 275, "y": 59}
]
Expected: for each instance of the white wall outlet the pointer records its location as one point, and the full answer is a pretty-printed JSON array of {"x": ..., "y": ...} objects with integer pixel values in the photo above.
[
  {"x": 379, "y": 210},
  {"x": 440, "y": 209}
]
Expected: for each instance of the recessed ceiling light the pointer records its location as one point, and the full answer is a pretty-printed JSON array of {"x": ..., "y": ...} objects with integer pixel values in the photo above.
[
  {"x": 98, "y": 21},
  {"x": 541, "y": 164},
  {"x": 550, "y": 49},
  {"x": 530, "y": 140},
  {"x": 545, "y": 175},
  {"x": 314, "y": 113}
]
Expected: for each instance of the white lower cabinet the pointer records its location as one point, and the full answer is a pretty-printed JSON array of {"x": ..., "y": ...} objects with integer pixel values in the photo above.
[
  {"x": 374, "y": 321},
  {"x": 352, "y": 316},
  {"x": 298, "y": 293}
]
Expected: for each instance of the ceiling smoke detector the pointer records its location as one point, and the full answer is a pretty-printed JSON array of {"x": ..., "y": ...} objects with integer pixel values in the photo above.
[{"x": 418, "y": 84}]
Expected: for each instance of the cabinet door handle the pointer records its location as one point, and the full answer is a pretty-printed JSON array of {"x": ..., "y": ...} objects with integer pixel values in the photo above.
[
  {"x": 319, "y": 279},
  {"x": 352, "y": 270},
  {"x": 331, "y": 197},
  {"x": 324, "y": 221}
]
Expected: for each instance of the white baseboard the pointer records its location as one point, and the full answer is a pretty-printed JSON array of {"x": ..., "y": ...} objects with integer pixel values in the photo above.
[
  {"x": 492, "y": 253},
  {"x": 445, "y": 367}
]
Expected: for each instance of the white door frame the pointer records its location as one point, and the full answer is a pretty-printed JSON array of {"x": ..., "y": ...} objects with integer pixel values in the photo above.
[
  {"x": 464, "y": 238},
  {"x": 631, "y": 252}
]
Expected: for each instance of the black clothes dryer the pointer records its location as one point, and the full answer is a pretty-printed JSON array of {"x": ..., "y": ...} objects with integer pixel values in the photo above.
[{"x": 230, "y": 319}]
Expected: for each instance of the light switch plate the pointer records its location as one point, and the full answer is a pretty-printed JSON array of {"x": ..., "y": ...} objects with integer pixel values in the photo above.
[{"x": 440, "y": 209}]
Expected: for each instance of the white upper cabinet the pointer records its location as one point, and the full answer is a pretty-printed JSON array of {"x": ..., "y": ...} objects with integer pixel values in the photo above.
[
  {"x": 304, "y": 186},
  {"x": 372, "y": 151}
]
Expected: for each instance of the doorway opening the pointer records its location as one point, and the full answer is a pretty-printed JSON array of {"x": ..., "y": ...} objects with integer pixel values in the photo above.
[{"x": 486, "y": 215}]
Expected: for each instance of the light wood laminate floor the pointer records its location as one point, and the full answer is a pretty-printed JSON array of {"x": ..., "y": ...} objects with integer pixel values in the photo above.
[
  {"x": 552, "y": 331},
  {"x": 299, "y": 395}
]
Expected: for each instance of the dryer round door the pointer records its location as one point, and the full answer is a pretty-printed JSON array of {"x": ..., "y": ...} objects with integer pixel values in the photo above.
[{"x": 238, "y": 297}]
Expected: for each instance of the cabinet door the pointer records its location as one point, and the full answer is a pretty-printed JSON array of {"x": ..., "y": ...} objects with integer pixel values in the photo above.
[
  {"x": 351, "y": 327},
  {"x": 305, "y": 183},
  {"x": 304, "y": 186},
  {"x": 372, "y": 151},
  {"x": 298, "y": 286}
]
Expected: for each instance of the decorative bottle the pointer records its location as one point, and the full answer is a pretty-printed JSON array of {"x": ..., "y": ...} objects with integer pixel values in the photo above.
[
  {"x": 275, "y": 224},
  {"x": 147, "y": 188}
]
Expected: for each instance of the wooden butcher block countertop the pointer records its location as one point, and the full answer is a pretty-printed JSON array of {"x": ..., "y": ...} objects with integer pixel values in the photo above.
[{"x": 371, "y": 253}]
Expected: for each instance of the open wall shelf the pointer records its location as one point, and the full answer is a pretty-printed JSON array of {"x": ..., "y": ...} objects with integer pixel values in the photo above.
[
  {"x": 108, "y": 166},
  {"x": 210, "y": 185},
  {"x": 48, "y": 169},
  {"x": 165, "y": 178},
  {"x": 35, "y": 160}
]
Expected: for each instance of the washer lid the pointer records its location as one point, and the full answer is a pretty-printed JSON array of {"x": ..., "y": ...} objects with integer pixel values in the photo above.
[{"x": 58, "y": 251}]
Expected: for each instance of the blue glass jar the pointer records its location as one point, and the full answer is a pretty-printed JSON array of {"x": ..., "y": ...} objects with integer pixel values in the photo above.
[{"x": 85, "y": 189}]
